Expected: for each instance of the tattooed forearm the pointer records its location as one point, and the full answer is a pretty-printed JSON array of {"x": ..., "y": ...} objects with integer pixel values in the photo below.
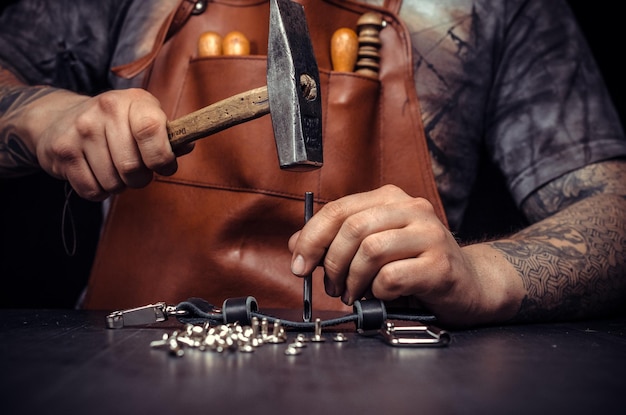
[
  {"x": 605, "y": 177},
  {"x": 15, "y": 157},
  {"x": 572, "y": 264}
]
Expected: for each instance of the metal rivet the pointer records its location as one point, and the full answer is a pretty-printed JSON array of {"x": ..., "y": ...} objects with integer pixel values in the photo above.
[
  {"x": 292, "y": 351},
  {"x": 278, "y": 333},
  {"x": 317, "y": 336},
  {"x": 199, "y": 7},
  {"x": 298, "y": 344}
]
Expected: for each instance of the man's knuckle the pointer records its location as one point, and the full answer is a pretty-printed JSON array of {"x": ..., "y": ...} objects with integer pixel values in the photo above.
[
  {"x": 85, "y": 125},
  {"x": 162, "y": 160},
  {"x": 108, "y": 102},
  {"x": 353, "y": 228},
  {"x": 65, "y": 151},
  {"x": 390, "y": 188},
  {"x": 146, "y": 127},
  {"x": 421, "y": 204},
  {"x": 372, "y": 247},
  {"x": 129, "y": 166},
  {"x": 94, "y": 195},
  {"x": 334, "y": 210},
  {"x": 388, "y": 280},
  {"x": 331, "y": 267},
  {"x": 87, "y": 192}
]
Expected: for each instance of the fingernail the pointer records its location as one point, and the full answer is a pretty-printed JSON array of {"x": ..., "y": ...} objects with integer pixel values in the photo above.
[
  {"x": 297, "y": 266},
  {"x": 329, "y": 287},
  {"x": 346, "y": 298}
]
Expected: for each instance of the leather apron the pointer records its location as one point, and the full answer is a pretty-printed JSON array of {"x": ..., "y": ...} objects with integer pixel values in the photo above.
[{"x": 219, "y": 227}]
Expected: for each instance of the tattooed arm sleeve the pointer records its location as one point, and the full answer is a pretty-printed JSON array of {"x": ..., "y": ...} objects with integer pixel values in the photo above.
[
  {"x": 16, "y": 158},
  {"x": 572, "y": 260}
]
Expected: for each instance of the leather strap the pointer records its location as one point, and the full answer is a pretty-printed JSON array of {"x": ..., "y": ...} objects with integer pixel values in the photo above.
[
  {"x": 181, "y": 15},
  {"x": 169, "y": 28},
  {"x": 368, "y": 315},
  {"x": 393, "y": 5}
]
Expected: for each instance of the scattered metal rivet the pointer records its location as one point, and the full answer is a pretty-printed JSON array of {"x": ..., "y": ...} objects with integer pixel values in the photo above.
[
  {"x": 233, "y": 337},
  {"x": 274, "y": 340},
  {"x": 174, "y": 347},
  {"x": 246, "y": 348},
  {"x": 177, "y": 352},
  {"x": 160, "y": 344},
  {"x": 298, "y": 344},
  {"x": 278, "y": 334},
  {"x": 292, "y": 351},
  {"x": 277, "y": 327},
  {"x": 317, "y": 336},
  {"x": 255, "y": 327},
  {"x": 264, "y": 328}
]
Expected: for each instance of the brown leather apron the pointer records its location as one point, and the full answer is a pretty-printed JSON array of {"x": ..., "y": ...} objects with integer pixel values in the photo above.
[{"x": 219, "y": 227}]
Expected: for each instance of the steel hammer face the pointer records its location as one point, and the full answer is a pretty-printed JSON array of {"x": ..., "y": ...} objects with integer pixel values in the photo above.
[{"x": 293, "y": 88}]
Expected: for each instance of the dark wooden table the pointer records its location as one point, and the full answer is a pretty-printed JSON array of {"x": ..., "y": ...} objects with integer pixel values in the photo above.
[{"x": 67, "y": 362}]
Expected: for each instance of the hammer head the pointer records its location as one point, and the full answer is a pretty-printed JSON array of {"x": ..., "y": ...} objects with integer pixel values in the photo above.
[{"x": 293, "y": 88}]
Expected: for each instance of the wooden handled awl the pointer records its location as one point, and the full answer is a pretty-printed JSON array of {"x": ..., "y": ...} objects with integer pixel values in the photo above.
[
  {"x": 344, "y": 46},
  {"x": 369, "y": 26},
  {"x": 209, "y": 44},
  {"x": 235, "y": 43}
]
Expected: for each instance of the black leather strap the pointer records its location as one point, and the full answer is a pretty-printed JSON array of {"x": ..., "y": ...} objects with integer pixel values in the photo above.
[{"x": 369, "y": 315}]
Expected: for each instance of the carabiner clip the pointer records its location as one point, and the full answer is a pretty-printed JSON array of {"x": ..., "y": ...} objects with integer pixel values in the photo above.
[
  {"x": 414, "y": 336},
  {"x": 148, "y": 314}
]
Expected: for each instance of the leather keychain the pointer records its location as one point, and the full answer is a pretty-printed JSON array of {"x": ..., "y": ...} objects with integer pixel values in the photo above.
[{"x": 370, "y": 318}]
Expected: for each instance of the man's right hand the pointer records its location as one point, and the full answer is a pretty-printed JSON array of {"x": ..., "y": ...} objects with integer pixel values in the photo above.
[{"x": 100, "y": 145}]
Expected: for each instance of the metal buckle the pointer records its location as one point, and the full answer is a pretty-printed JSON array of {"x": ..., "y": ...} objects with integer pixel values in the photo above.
[{"x": 414, "y": 336}]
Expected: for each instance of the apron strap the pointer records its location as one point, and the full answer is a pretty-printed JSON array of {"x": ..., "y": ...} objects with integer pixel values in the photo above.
[{"x": 393, "y": 5}]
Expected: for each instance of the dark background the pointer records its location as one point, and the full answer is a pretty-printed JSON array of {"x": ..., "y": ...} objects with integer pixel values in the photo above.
[{"x": 603, "y": 24}]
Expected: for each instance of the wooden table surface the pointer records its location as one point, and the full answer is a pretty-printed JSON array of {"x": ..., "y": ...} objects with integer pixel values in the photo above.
[{"x": 68, "y": 362}]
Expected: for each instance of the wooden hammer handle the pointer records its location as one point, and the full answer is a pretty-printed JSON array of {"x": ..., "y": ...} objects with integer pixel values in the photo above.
[{"x": 219, "y": 116}]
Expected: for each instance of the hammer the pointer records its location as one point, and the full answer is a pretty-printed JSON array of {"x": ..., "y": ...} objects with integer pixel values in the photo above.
[{"x": 292, "y": 96}]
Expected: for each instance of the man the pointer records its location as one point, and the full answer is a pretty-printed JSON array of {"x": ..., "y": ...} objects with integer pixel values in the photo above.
[{"x": 512, "y": 78}]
